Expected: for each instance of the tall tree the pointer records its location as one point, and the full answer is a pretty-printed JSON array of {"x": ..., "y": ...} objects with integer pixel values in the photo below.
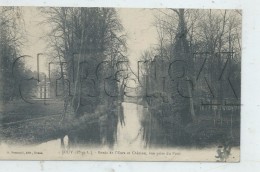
[
  {"x": 11, "y": 39},
  {"x": 198, "y": 44},
  {"x": 91, "y": 43}
]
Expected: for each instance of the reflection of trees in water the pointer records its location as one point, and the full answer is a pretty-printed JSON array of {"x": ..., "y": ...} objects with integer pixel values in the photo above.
[
  {"x": 102, "y": 131},
  {"x": 162, "y": 127}
]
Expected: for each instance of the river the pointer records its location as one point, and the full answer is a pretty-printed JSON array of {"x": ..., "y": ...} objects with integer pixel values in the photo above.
[{"x": 129, "y": 137}]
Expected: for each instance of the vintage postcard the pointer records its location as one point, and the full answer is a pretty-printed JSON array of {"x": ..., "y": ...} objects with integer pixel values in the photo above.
[{"x": 85, "y": 83}]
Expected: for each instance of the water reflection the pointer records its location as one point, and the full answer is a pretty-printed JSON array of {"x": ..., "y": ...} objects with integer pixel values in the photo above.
[
  {"x": 111, "y": 130},
  {"x": 130, "y": 134}
]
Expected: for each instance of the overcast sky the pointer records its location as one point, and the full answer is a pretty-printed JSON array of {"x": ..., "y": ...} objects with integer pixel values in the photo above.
[{"x": 137, "y": 23}]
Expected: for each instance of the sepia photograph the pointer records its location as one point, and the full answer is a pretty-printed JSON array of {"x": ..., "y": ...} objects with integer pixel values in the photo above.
[{"x": 124, "y": 84}]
